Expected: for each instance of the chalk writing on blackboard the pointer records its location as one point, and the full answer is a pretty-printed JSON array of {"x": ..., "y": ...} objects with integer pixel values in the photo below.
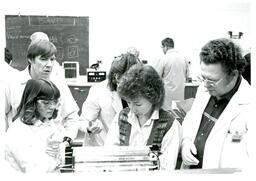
[
  {"x": 51, "y": 21},
  {"x": 73, "y": 52},
  {"x": 72, "y": 39},
  {"x": 60, "y": 53},
  {"x": 69, "y": 34}
]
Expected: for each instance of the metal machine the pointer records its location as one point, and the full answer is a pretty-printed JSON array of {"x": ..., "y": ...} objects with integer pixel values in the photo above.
[
  {"x": 71, "y": 69},
  {"x": 110, "y": 159}
]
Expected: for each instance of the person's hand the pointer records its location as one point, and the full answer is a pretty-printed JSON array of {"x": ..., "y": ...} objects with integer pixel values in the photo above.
[
  {"x": 188, "y": 149},
  {"x": 52, "y": 145},
  {"x": 94, "y": 127},
  {"x": 67, "y": 141}
]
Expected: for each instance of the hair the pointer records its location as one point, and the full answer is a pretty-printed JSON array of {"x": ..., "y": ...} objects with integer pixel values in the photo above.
[
  {"x": 247, "y": 58},
  {"x": 7, "y": 55},
  {"x": 168, "y": 42},
  {"x": 119, "y": 66},
  {"x": 142, "y": 81},
  {"x": 40, "y": 89},
  {"x": 247, "y": 69},
  {"x": 39, "y": 35},
  {"x": 41, "y": 47},
  {"x": 133, "y": 50},
  {"x": 225, "y": 52}
]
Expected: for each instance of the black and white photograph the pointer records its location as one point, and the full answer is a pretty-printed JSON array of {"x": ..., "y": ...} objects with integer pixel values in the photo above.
[{"x": 127, "y": 89}]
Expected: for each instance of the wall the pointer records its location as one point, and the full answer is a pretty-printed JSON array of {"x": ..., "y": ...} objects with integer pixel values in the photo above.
[{"x": 115, "y": 25}]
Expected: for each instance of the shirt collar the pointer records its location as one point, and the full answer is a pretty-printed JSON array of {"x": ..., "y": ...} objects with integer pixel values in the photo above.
[
  {"x": 154, "y": 116},
  {"x": 171, "y": 50},
  {"x": 39, "y": 123}
]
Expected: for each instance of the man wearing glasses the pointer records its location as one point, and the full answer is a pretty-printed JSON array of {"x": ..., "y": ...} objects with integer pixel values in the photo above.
[{"x": 218, "y": 130}]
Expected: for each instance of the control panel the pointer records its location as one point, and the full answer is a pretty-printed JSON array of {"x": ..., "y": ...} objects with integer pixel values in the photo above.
[{"x": 96, "y": 76}]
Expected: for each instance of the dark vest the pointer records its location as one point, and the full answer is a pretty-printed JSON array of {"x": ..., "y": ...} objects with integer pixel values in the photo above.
[{"x": 159, "y": 128}]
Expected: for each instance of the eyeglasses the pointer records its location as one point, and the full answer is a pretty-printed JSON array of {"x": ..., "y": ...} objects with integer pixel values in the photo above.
[
  {"x": 211, "y": 83},
  {"x": 48, "y": 102}
]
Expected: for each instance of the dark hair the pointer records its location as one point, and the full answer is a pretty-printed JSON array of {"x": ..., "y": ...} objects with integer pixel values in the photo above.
[
  {"x": 225, "y": 52},
  {"x": 168, "y": 42},
  {"x": 119, "y": 66},
  {"x": 40, "y": 89},
  {"x": 41, "y": 47},
  {"x": 247, "y": 69},
  {"x": 7, "y": 55},
  {"x": 144, "y": 81}
]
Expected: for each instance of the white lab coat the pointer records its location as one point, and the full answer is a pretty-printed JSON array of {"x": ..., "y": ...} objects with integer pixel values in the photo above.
[
  {"x": 102, "y": 105},
  {"x": 2, "y": 108},
  {"x": 172, "y": 67},
  {"x": 8, "y": 75},
  {"x": 26, "y": 145},
  {"x": 68, "y": 109},
  {"x": 220, "y": 151}
]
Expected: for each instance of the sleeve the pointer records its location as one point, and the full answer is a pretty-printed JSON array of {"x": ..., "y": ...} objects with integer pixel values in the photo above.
[
  {"x": 186, "y": 124},
  {"x": 90, "y": 109},
  {"x": 4, "y": 166},
  {"x": 170, "y": 147},
  {"x": 2, "y": 108},
  {"x": 6, "y": 90},
  {"x": 8, "y": 106},
  {"x": 189, "y": 121},
  {"x": 112, "y": 138},
  {"x": 22, "y": 160},
  {"x": 69, "y": 112},
  {"x": 28, "y": 156}
]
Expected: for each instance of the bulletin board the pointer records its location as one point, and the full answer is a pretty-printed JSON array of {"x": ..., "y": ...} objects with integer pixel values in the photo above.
[{"x": 69, "y": 34}]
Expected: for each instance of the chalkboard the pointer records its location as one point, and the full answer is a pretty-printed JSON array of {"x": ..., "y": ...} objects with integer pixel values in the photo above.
[{"x": 69, "y": 34}]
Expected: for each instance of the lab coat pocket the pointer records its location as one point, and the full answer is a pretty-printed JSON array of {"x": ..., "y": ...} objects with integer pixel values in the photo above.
[{"x": 234, "y": 153}]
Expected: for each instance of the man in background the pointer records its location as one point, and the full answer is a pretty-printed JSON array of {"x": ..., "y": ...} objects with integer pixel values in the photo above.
[{"x": 172, "y": 67}]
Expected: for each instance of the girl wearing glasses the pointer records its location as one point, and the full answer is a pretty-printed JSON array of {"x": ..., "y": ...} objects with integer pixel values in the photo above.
[{"x": 33, "y": 141}]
